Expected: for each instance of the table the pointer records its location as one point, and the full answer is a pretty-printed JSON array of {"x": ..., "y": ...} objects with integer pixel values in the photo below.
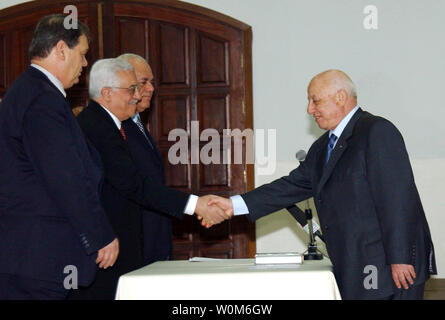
[{"x": 229, "y": 279}]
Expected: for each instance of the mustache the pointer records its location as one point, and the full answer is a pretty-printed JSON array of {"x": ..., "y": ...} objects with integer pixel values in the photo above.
[{"x": 134, "y": 101}]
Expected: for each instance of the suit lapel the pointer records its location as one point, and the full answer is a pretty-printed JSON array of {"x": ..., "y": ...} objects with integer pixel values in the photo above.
[
  {"x": 141, "y": 139},
  {"x": 340, "y": 148},
  {"x": 102, "y": 114},
  {"x": 155, "y": 149},
  {"x": 136, "y": 132},
  {"x": 39, "y": 74},
  {"x": 321, "y": 156}
]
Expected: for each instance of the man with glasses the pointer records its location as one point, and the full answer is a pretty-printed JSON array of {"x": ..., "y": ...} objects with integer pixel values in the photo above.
[{"x": 114, "y": 94}]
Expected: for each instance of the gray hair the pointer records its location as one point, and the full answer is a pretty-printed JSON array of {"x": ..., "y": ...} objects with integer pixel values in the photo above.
[
  {"x": 346, "y": 84},
  {"x": 131, "y": 56},
  {"x": 338, "y": 80},
  {"x": 104, "y": 73}
]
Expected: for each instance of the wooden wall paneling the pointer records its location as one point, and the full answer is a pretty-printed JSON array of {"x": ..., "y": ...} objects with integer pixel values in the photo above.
[
  {"x": 110, "y": 37},
  {"x": 129, "y": 35},
  {"x": 202, "y": 65},
  {"x": 213, "y": 61},
  {"x": 174, "y": 113},
  {"x": 173, "y": 67}
]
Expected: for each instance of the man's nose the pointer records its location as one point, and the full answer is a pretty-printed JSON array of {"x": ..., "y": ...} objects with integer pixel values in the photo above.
[
  {"x": 148, "y": 88},
  {"x": 137, "y": 94},
  {"x": 310, "y": 108}
]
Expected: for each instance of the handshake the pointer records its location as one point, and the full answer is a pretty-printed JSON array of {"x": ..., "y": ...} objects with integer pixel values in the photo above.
[{"x": 211, "y": 210}]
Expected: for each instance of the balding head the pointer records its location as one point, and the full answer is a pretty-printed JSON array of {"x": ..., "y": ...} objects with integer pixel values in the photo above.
[
  {"x": 144, "y": 76},
  {"x": 337, "y": 80},
  {"x": 331, "y": 95}
]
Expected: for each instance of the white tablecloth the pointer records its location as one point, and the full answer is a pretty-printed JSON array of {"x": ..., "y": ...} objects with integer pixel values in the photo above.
[{"x": 231, "y": 279}]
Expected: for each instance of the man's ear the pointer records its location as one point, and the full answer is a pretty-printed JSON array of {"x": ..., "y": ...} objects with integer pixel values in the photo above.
[
  {"x": 60, "y": 50},
  {"x": 106, "y": 93},
  {"x": 340, "y": 97}
]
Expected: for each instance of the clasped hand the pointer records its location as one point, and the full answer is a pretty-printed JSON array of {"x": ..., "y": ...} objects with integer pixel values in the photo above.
[{"x": 213, "y": 209}]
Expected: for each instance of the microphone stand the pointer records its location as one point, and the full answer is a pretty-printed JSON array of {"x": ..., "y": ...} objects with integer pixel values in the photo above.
[{"x": 312, "y": 251}]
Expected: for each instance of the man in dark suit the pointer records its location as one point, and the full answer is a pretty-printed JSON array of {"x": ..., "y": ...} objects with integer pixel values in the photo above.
[
  {"x": 363, "y": 187},
  {"x": 156, "y": 226},
  {"x": 115, "y": 93},
  {"x": 51, "y": 217}
]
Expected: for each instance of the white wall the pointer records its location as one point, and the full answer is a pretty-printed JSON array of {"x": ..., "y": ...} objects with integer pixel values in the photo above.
[{"x": 398, "y": 70}]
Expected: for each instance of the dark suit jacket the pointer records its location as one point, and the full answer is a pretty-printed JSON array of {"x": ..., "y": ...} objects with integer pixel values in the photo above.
[
  {"x": 156, "y": 226},
  {"x": 50, "y": 211},
  {"x": 125, "y": 190},
  {"x": 367, "y": 202}
]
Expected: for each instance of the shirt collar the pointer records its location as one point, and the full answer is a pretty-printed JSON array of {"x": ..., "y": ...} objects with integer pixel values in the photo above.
[
  {"x": 51, "y": 78},
  {"x": 342, "y": 125},
  {"x": 115, "y": 119},
  {"x": 136, "y": 118}
]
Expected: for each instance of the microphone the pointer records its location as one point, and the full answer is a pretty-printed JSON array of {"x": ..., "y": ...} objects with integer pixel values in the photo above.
[
  {"x": 300, "y": 216},
  {"x": 300, "y": 155}
]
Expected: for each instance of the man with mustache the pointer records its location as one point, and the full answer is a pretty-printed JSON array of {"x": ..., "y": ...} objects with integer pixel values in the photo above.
[
  {"x": 50, "y": 212},
  {"x": 114, "y": 93},
  {"x": 361, "y": 179}
]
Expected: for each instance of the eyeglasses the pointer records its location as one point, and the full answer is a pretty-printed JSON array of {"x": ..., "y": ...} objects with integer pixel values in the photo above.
[{"x": 131, "y": 89}]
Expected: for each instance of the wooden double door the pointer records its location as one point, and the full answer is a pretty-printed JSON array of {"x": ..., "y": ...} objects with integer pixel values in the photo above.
[{"x": 201, "y": 61}]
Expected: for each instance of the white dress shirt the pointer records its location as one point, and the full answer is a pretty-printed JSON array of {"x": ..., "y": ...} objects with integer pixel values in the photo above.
[{"x": 342, "y": 125}]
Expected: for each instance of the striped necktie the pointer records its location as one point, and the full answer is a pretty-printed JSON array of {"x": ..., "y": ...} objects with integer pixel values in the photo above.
[
  {"x": 331, "y": 145},
  {"x": 141, "y": 128}
]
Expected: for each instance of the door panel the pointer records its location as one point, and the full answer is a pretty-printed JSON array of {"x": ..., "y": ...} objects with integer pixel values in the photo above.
[
  {"x": 173, "y": 66},
  {"x": 134, "y": 30}
]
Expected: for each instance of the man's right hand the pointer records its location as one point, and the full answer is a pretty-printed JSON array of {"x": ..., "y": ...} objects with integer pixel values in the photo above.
[
  {"x": 224, "y": 203},
  {"x": 210, "y": 215},
  {"x": 106, "y": 257}
]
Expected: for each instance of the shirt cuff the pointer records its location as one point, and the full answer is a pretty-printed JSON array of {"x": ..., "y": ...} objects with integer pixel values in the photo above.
[
  {"x": 239, "y": 206},
  {"x": 191, "y": 205}
]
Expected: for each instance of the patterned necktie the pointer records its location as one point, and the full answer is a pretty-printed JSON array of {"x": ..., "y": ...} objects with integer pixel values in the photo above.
[
  {"x": 123, "y": 133},
  {"x": 141, "y": 128},
  {"x": 331, "y": 145}
]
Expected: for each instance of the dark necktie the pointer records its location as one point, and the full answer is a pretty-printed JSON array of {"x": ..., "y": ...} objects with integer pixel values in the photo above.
[
  {"x": 141, "y": 128},
  {"x": 123, "y": 133},
  {"x": 331, "y": 145}
]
